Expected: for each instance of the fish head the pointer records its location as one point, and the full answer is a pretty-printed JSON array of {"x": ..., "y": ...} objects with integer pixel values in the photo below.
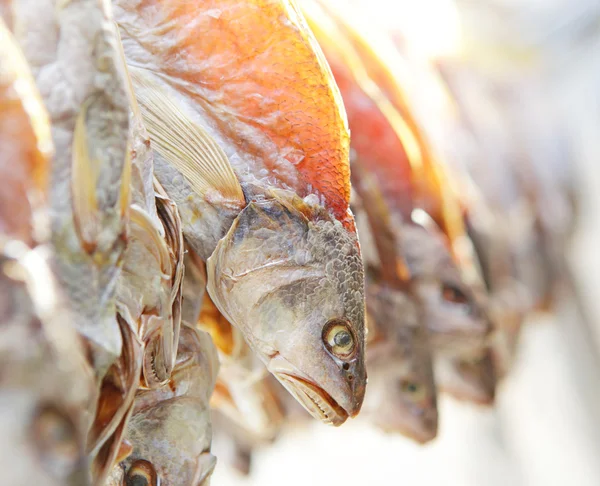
[
  {"x": 170, "y": 430},
  {"x": 455, "y": 311},
  {"x": 290, "y": 277},
  {"x": 171, "y": 444},
  {"x": 407, "y": 403},
  {"x": 402, "y": 393}
]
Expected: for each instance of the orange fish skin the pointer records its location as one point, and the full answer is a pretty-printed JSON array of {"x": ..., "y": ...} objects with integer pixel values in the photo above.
[{"x": 256, "y": 70}]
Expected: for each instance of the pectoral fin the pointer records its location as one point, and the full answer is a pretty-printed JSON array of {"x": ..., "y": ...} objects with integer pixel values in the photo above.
[
  {"x": 125, "y": 192},
  {"x": 143, "y": 228},
  {"x": 84, "y": 178},
  {"x": 185, "y": 144}
]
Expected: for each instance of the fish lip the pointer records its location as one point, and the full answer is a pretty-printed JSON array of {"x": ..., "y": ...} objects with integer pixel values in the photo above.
[{"x": 315, "y": 400}]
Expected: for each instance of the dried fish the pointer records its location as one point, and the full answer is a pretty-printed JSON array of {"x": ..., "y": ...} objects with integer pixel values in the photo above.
[{"x": 262, "y": 188}]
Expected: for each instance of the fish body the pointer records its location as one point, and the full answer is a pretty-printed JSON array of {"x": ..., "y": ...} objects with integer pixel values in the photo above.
[
  {"x": 50, "y": 387},
  {"x": 434, "y": 187},
  {"x": 253, "y": 168},
  {"x": 402, "y": 394},
  {"x": 47, "y": 389},
  {"x": 500, "y": 223},
  {"x": 73, "y": 57},
  {"x": 76, "y": 65}
]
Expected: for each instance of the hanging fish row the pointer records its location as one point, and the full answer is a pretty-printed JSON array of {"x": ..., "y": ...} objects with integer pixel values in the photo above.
[{"x": 180, "y": 222}]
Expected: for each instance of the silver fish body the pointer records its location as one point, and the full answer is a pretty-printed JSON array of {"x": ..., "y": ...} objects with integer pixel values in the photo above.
[
  {"x": 73, "y": 56},
  {"x": 402, "y": 395}
]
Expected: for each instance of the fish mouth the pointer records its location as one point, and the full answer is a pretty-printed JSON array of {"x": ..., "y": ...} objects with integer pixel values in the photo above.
[{"x": 314, "y": 399}]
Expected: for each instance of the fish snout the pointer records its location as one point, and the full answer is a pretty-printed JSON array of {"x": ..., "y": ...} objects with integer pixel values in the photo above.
[
  {"x": 427, "y": 427},
  {"x": 355, "y": 375},
  {"x": 331, "y": 396}
]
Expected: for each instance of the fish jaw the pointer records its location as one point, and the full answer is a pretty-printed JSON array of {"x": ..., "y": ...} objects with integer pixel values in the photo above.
[{"x": 320, "y": 404}]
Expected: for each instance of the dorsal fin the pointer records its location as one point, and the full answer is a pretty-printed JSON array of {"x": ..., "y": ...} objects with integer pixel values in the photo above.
[
  {"x": 184, "y": 143},
  {"x": 255, "y": 71}
]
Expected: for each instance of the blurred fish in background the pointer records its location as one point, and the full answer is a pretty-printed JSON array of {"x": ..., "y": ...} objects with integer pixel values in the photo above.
[{"x": 514, "y": 108}]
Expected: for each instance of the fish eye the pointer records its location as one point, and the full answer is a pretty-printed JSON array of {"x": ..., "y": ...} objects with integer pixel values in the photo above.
[
  {"x": 413, "y": 389},
  {"x": 339, "y": 339},
  {"x": 454, "y": 295},
  {"x": 55, "y": 438},
  {"x": 408, "y": 386},
  {"x": 141, "y": 473}
]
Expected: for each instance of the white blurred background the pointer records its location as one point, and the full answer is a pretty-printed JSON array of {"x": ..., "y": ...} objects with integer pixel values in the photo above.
[{"x": 545, "y": 427}]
